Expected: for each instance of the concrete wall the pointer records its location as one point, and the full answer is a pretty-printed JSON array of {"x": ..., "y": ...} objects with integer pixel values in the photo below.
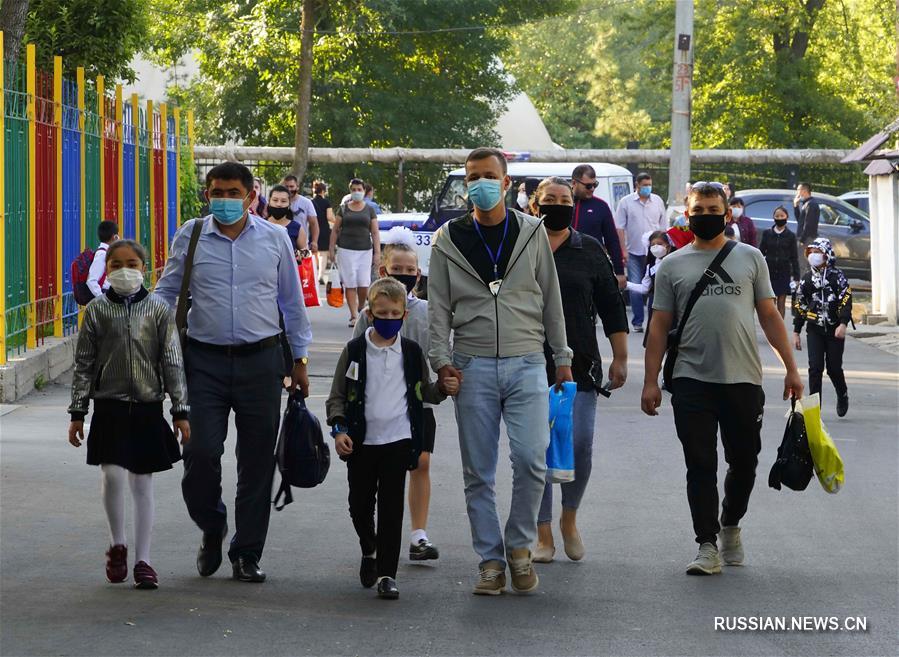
[
  {"x": 46, "y": 363},
  {"x": 884, "y": 191}
]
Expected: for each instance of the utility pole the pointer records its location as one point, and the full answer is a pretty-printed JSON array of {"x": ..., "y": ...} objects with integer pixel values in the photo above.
[{"x": 681, "y": 102}]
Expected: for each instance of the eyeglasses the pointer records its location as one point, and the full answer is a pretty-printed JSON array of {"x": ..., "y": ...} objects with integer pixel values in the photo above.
[
  {"x": 591, "y": 186},
  {"x": 703, "y": 183}
]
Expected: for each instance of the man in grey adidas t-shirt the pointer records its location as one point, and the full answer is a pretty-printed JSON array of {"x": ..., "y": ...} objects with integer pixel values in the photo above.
[{"x": 717, "y": 379}]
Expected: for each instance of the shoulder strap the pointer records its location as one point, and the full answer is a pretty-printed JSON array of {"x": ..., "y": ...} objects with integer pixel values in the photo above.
[
  {"x": 707, "y": 277},
  {"x": 181, "y": 310}
]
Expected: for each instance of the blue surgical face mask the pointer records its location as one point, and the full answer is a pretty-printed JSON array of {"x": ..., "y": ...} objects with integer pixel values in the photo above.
[
  {"x": 357, "y": 196},
  {"x": 227, "y": 211},
  {"x": 485, "y": 193},
  {"x": 645, "y": 190},
  {"x": 387, "y": 328}
]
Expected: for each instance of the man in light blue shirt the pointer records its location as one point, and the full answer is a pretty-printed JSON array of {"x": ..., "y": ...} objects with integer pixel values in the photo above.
[{"x": 243, "y": 273}]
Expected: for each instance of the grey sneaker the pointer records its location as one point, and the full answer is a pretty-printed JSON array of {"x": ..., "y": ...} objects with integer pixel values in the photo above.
[
  {"x": 707, "y": 561},
  {"x": 731, "y": 546},
  {"x": 524, "y": 578},
  {"x": 491, "y": 579}
]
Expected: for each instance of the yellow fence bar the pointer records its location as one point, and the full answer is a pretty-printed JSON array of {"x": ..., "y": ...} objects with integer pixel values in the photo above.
[
  {"x": 135, "y": 126},
  {"x": 120, "y": 165},
  {"x": 151, "y": 247},
  {"x": 57, "y": 127},
  {"x": 163, "y": 141},
  {"x": 31, "y": 87},
  {"x": 176, "y": 112},
  {"x": 2, "y": 209}
]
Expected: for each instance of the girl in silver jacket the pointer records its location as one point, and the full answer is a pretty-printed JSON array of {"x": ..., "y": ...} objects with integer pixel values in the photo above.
[{"x": 127, "y": 357}]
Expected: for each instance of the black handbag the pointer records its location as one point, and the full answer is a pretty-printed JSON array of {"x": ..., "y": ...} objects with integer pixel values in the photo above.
[
  {"x": 674, "y": 337},
  {"x": 302, "y": 456},
  {"x": 793, "y": 467}
]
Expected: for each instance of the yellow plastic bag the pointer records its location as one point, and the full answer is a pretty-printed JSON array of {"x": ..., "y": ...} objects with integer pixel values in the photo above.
[{"x": 828, "y": 464}]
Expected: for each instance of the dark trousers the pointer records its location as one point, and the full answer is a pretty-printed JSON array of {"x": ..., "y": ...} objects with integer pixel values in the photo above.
[
  {"x": 250, "y": 385},
  {"x": 379, "y": 472},
  {"x": 699, "y": 410},
  {"x": 825, "y": 349}
]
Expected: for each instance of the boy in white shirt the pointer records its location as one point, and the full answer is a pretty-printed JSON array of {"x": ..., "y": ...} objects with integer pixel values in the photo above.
[{"x": 107, "y": 232}]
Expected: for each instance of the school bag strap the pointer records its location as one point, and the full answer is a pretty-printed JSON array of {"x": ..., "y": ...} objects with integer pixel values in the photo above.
[
  {"x": 674, "y": 340},
  {"x": 181, "y": 310}
]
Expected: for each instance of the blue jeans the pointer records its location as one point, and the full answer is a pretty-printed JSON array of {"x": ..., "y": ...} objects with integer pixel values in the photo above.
[
  {"x": 636, "y": 268},
  {"x": 573, "y": 491},
  {"x": 515, "y": 390}
]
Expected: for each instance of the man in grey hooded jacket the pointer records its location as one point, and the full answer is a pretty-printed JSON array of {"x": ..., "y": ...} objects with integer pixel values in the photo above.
[{"x": 493, "y": 286}]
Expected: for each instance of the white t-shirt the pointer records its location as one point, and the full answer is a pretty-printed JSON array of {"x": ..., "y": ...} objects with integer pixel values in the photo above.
[
  {"x": 98, "y": 268},
  {"x": 386, "y": 411},
  {"x": 303, "y": 209}
]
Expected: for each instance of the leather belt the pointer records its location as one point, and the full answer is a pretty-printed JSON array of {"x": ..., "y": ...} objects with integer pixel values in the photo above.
[{"x": 237, "y": 349}]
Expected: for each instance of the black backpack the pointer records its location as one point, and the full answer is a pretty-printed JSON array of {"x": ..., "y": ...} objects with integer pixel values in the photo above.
[
  {"x": 793, "y": 467},
  {"x": 302, "y": 456}
]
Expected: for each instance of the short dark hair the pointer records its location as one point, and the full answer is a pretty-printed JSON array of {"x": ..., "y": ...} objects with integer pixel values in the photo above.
[
  {"x": 643, "y": 176},
  {"x": 707, "y": 190},
  {"x": 483, "y": 153},
  {"x": 357, "y": 181},
  {"x": 736, "y": 200},
  {"x": 231, "y": 171},
  {"x": 808, "y": 186},
  {"x": 278, "y": 188},
  {"x": 130, "y": 244},
  {"x": 782, "y": 209},
  {"x": 290, "y": 177},
  {"x": 107, "y": 230},
  {"x": 582, "y": 169},
  {"x": 319, "y": 187}
]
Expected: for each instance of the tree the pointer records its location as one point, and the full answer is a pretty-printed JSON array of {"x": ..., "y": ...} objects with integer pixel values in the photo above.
[
  {"x": 12, "y": 24},
  {"x": 101, "y": 35},
  {"x": 304, "y": 97}
]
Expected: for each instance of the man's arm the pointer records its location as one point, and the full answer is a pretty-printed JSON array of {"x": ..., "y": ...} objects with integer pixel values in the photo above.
[
  {"x": 773, "y": 326},
  {"x": 610, "y": 238},
  {"x": 313, "y": 226},
  {"x": 98, "y": 268},
  {"x": 297, "y": 327},
  {"x": 169, "y": 285},
  {"x": 621, "y": 225},
  {"x": 812, "y": 216},
  {"x": 656, "y": 343},
  {"x": 439, "y": 307}
]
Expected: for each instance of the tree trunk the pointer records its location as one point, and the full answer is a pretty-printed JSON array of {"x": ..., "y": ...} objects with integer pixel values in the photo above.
[
  {"x": 12, "y": 22},
  {"x": 304, "y": 95}
]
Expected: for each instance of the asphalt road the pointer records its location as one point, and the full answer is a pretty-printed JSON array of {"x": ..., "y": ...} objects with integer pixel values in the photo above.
[{"x": 808, "y": 554}]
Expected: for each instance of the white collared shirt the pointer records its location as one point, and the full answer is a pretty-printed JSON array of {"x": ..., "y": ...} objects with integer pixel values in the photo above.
[
  {"x": 637, "y": 217},
  {"x": 386, "y": 411}
]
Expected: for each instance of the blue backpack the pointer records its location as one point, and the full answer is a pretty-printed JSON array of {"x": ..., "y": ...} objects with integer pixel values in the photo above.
[{"x": 302, "y": 456}]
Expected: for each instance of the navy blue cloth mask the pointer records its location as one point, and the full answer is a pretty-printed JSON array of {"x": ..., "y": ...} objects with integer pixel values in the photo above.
[{"x": 387, "y": 328}]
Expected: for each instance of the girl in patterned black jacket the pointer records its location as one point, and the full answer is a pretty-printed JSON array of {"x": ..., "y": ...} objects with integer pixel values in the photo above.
[{"x": 824, "y": 304}]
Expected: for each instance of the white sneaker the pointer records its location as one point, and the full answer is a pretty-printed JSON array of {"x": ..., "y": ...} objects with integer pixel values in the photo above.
[
  {"x": 731, "y": 546},
  {"x": 707, "y": 561}
]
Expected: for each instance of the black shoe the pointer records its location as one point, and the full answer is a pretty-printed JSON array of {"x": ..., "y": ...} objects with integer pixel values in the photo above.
[
  {"x": 387, "y": 589},
  {"x": 246, "y": 569},
  {"x": 424, "y": 551},
  {"x": 368, "y": 572},
  {"x": 842, "y": 405},
  {"x": 209, "y": 556},
  {"x": 638, "y": 328}
]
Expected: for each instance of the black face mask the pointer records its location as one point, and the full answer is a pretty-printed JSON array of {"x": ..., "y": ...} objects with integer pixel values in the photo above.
[
  {"x": 707, "y": 226},
  {"x": 780, "y": 223},
  {"x": 557, "y": 217},
  {"x": 277, "y": 213},
  {"x": 409, "y": 280}
]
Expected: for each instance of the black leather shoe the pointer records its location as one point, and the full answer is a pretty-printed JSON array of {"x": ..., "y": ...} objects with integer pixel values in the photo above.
[
  {"x": 209, "y": 556},
  {"x": 842, "y": 405},
  {"x": 387, "y": 589},
  {"x": 424, "y": 551},
  {"x": 368, "y": 572},
  {"x": 246, "y": 569}
]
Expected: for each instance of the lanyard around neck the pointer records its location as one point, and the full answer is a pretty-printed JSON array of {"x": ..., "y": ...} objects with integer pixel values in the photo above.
[{"x": 494, "y": 257}]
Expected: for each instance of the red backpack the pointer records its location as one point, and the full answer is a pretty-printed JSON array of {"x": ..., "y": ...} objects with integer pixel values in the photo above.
[{"x": 80, "y": 271}]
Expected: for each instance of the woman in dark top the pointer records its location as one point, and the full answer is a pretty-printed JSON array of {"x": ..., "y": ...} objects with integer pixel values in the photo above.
[
  {"x": 589, "y": 288},
  {"x": 778, "y": 245},
  {"x": 325, "y": 215}
]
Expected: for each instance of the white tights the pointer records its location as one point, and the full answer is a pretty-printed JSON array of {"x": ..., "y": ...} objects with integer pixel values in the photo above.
[{"x": 112, "y": 488}]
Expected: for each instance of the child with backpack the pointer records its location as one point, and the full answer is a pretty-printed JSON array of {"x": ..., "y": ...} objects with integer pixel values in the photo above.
[
  {"x": 95, "y": 282},
  {"x": 400, "y": 261},
  {"x": 824, "y": 304},
  {"x": 377, "y": 417},
  {"x": 127, "y": 357}
]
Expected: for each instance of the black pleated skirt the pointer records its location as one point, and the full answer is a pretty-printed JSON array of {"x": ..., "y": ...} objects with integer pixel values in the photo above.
[{"x": 135, "y": 436}]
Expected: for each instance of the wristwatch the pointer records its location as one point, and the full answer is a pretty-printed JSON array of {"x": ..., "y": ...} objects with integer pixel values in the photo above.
[
  {"x": 301, "y": 361},
  {"x": 338, "y": 429}
]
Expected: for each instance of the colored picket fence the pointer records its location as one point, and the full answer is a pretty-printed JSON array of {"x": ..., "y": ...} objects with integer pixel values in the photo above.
[{"x": 72, "y": 154}]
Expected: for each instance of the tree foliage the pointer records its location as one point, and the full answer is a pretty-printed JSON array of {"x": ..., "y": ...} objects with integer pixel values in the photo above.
[
  {"x": 767, "y": 74},
  {"x": 101, "y": 35}
]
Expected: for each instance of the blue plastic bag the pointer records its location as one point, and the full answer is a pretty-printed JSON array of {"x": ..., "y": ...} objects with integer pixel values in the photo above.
[{"x": 560, "y": 453}]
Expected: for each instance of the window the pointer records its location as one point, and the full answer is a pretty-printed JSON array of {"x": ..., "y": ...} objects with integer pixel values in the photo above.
[
  {"x": 619, "y": 191},
  {"x": 764, "y": 209},
  {"x": 454, "y": 196},
  {"x": 832, "y": 215}
]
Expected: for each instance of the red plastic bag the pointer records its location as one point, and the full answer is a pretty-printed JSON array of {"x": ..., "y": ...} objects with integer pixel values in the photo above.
[{"x": 308, "y": 282}]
